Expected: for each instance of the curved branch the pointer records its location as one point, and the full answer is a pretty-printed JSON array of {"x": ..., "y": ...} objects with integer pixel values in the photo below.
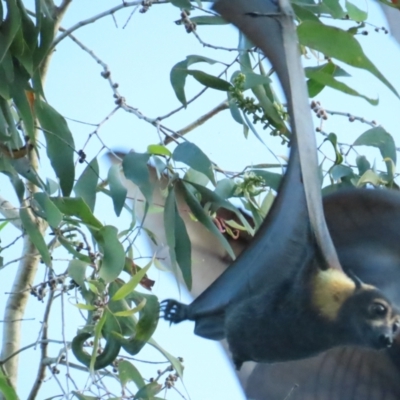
[{"x": 10, "y": 212}]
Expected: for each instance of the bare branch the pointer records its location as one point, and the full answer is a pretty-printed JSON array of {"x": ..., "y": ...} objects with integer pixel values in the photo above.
[
  {"x": 15, "y": 308},
  {"x": 10, "y": 212},
  {"x": 197, "y": 123},
  {"x": 43, "y": 349},
  {"x": 95, "y": 18}
]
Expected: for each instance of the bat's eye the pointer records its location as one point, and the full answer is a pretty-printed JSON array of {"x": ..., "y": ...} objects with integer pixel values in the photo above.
[{"x": 378, "y": 310}]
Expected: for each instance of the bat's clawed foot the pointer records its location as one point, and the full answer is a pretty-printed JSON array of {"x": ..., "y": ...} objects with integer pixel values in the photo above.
[{"x": 174, "y": 311}]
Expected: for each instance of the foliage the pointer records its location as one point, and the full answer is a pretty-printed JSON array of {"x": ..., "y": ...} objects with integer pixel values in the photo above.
[{"x": 111, "y": 288}]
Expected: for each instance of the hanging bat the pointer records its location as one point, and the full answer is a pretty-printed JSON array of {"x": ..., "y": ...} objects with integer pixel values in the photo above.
[
  {"x": 286, "y": 297},
  {"x": 364, "y": 225}
]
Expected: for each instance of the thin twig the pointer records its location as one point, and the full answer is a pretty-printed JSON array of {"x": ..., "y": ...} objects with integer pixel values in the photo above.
[
  {"x": 198, "y": 122},
  {"x": 95, "y": 18},
  {"x": 43, "y": 349}
]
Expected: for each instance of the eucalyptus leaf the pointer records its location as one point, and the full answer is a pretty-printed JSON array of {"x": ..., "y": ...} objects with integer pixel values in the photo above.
[
  {"x": 78, "y": 208},
  {"x": 59, "y": 144},
  {"x": 118, "y": 191},
  {"x": 204, "y": 218},
  {"x": 113, "y": 260},
  {"x": 35, "y": 235},
  {"x": 337, "y": 43},
  {"x": 136, "y": 170},
  {"x": 193, "y": 156},
  {"x": 128, "y": 372},
  {"x": 86, "y": 185},
  {"x": 51, "y": 213}
]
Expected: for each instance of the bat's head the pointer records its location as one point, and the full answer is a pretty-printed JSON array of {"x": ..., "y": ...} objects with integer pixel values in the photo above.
[
  {"x": 362, "y": 314},
  {"x": 369, "y": 318}
]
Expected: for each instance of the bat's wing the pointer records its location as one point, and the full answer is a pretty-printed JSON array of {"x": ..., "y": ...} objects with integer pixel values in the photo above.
[
  {"x": 284, "y": 241},
  {"x": 365, "y": 227},
  {"x": 343, "y": 373}
]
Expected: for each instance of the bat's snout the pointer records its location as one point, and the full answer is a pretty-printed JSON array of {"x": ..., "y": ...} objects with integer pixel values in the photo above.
[{"x": 385, "y": 340}]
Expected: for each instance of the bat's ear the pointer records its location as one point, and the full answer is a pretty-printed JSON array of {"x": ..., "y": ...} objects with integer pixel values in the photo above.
[{"x": 359, "y": 283}]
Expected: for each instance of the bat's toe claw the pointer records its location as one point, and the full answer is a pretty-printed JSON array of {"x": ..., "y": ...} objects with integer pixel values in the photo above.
[{"x": 174, "y": 311}]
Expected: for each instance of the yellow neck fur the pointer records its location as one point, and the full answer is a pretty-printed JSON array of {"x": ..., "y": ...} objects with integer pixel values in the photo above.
[{"x": 330, "y": 289}]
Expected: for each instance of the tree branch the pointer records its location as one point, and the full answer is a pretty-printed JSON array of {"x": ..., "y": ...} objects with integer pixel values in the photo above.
[
  {"x": 95, "y": 18},
  {"x": 10, "y": 212},
  {"x": 43, "y": 350},
  {"x": 200, "y": 121}
]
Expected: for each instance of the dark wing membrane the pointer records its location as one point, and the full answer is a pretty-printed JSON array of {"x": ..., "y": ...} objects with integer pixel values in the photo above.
[
  {"x": 267, "y": 258},
  {"x": 365, "y": 227},
  {"x": 343, "y": 373}
]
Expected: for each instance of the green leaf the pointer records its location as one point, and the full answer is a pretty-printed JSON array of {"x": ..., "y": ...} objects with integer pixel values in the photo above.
[
  {"x": 333, "y": 139},
  {"x": 234, "y": 110},
  {"x": 252, "y": 79},
  {"x": 337, "y": 43},
  {"x": 17, "y": 183},
  {"x": 86, "y": 185},
  {"x": 193, "y": 156},
  {"x": 5, "y": 388},
  {"x": 208, "y": 20},
  {"x": 210, "y": 81},
  {"x": 136, "y": 170},
  {"x": 9, "y": 27},
  {"x": 363, "y": 164},
  {"x": 194, "y": 176},
  {"x": 271, "y": 179},
  {"x": 183, "y": 250},
  {"x": 334, "y": 8},
  {"x": 303, "y": 14},
  {"x": 128, "y": 372},
  {"x": 50, "y": 212},
  {"x": 178, "y": 241},
  {"x": 87, "y": 307},
  {"x": 173, "y": 360},
  {"x": 380, "y": 138},
  {"x": 128, "y": 287},
  {"x": 71, "y": 249},
  {"x": 19, "y": 95},
  {"x": 341, "y": 171},
  {"x": 45, "y": 24},
  {"x": 185, "y": 4},
  {"x": 113, "y": 253},
  {"x": 203, "y": 217},
  {"x": 370, "y": 177},
  {"x": 207, "y": 196},
  {"x": 77, "y": 272},
  {"x": 355, "y": 13},
  {"x": 328, "y": 80},
  {"x": 147, "y": 324},
  {"x": 78, "y": 208},
  {"x": 329, "y": 68},
  {"x": 24, "y": 168},
  {"x": 60, "y": 144},
  {"x": 118, "y": 190},
  {"x": 131, "y": 311},
  {"x": 150, "y": 390},
  {"x": 225, "y": 188},
  {"x": 158, "y": 149},
  {"x": 35, "y": 235},
  {"x": 179, "y": 73}
]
